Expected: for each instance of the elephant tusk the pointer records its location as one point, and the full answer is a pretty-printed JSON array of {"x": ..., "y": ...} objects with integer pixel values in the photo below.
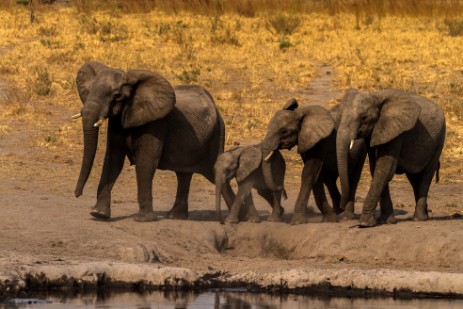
[
  {"x": 351, "y": 144},
  {"x": 76, "y": 116},
  {"x": 99, "y": 122},
  {"x": 268, "y": 156}
]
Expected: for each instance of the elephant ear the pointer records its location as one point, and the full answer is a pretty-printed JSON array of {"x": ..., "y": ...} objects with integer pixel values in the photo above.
[
  {"x": 399, "y": 113},
  {"x": 291, "y": 105},
  {"x": 249, "y": 160},
  {"x": 152, "y": 98},
  {"x": 316, "y": 125},
  {"x": 86, "y": 76}
]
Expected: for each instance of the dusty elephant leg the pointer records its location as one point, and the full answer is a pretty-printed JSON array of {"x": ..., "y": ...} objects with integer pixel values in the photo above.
[
  {"x": 273, "y": 198},
  {"x": 421, "y": 184},
  {"x": 310, "y": 173},
  {"x": 145, "y": 195},
  {"x": 387, "y": 210},
  {"x": 244, "y": 189},
  {"x": 112, "y": 167},
  {"x": 335, "y": 195},
  {"x": 322, "y": 203},
  {"x": 148, "y": 150},
  {"x": 180, "y": 208},
  {"x": 253, "y": 214},
  {"x": 383, "y": 173}
]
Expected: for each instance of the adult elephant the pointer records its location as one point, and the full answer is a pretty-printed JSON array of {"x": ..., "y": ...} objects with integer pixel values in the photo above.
[
  {"x": 404, "y": 133},
  {"x": 313, "y": 129},
  {"x": 154, "y": 125}
]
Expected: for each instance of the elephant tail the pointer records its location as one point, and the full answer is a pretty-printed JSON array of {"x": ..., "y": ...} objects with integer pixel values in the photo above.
[{"x": 437, "y": 172}]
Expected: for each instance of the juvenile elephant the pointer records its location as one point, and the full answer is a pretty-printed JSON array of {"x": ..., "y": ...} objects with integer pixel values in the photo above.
[
  {"x": 248, "y": 166},
  {"x": 404, "y": 133},
  {"x": 313, "y": 129},
  {"x": 155, "y": 126}
]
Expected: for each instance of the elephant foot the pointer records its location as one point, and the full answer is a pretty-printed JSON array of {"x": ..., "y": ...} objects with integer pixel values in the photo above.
[
  {"x": 179, "y": 212},
  {"x": 146, "y": 216},
  {"x": 276, "y": 215},
  {"x": 387, "y": 219},
  {"x": 330, "y": 217},
  {"x": 232, "y": 220},
  {"x": 254, "y": 219},
  {"x": 298, "y": 219},
  {"x": 420, "y": 215},
  {"x": 367, "y": 220},
  {"x": 349, "y": 215},
  {"x": 274, "y": 218},
  {"x": 102, "y": 213}
]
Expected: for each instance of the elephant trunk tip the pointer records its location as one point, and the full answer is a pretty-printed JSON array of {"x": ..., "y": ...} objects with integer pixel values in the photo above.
[{"x": 78, "y": 192}]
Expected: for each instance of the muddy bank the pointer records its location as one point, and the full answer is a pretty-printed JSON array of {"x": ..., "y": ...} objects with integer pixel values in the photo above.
[{"x": 95, "y": 276}]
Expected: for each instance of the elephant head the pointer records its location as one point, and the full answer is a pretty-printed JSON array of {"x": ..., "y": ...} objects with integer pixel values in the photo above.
[
  {"x": 238, "y": 162},
  {"x": 378, "y": 117},
  {"x": 135, "y": 97},
  {"x": 303, "y": 126}
]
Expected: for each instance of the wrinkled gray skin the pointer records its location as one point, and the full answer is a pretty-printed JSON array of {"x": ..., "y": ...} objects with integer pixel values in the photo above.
[
  {"x": 313, "y": 129},
  {"x": 155, "y": 126},
  {"x": 404, "y": 133},
  {"x": 251, "y": 170}
]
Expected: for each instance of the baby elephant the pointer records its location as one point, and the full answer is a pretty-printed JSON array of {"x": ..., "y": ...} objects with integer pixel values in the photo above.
[{"x": 251, "y": 170}]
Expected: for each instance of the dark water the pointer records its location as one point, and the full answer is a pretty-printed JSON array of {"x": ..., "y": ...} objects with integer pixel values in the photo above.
[{"x": 222, "y": 300}]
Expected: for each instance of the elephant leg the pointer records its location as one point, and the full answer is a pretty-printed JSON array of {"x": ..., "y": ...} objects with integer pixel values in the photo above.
[
  {"x": 384, "y": 170},
  {"x": 180, "y": 208},
  {"x": 420, "y": 184},
  {"x": 227, "y": 191},
  {"x": 322, "y": 203},
  {"x": 310, "y": 173},
  {"x": 112, "y": 167},
  {"x": 244, "y": 189},
  {"x": 274, "y": 200},
  {"x": 334, "y": 194},
  {"x": 252, "y": 211},
  {"x": 387, "y": 209},
  {"x": 148, "y": 150}
]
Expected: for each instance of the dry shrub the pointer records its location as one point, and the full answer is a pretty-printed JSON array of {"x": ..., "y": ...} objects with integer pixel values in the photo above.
[
  {"x": 283, "y": 24},
  {"x": 41, "y": 83}
]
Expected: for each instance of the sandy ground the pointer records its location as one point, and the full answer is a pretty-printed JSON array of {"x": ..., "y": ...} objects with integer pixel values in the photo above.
[{"x": 46, "y": 233}]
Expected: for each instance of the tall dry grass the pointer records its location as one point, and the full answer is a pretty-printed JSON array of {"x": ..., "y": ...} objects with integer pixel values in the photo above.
[{"x": 251, "y": 55}]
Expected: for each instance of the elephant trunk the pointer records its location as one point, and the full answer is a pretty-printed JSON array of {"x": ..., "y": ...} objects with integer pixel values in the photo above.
[
  {"x": 90, "y": 132},
  {"x": 218, "y": 198},
  {"x": 267, "y": 155},
  {"x": 267, "y": 173},
  {"x": 342, "y": 154}
]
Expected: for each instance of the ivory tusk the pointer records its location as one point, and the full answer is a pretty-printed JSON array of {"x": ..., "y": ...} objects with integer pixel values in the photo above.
[
  {"x": 268, "y": 156},
  {"x": 351, "y": 144},
  {"x": 76, "y": 116},
  {"x": 99, "y": 122}
]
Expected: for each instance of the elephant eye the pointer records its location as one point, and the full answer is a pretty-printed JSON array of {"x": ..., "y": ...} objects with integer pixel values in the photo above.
[
  {"x": 284, "y": 132},
  {"x": 117, "y": 96}
]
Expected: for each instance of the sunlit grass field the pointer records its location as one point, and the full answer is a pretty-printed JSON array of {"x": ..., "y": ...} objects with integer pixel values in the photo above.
[{"x": 251, "y": 63}]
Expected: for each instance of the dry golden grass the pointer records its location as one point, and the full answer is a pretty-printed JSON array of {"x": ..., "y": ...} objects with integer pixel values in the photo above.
[{"x": 251, "y": 65}]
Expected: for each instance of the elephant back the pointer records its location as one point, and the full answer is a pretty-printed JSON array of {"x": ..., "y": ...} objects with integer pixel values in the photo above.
[{"x": 195, "y": 103}]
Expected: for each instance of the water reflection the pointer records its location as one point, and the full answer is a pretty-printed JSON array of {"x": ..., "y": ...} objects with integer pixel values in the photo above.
[{"x": 222, "y": 300}]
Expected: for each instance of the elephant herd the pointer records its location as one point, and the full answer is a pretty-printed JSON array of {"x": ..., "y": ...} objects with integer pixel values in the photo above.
[{"x": 157, "y": 126}]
